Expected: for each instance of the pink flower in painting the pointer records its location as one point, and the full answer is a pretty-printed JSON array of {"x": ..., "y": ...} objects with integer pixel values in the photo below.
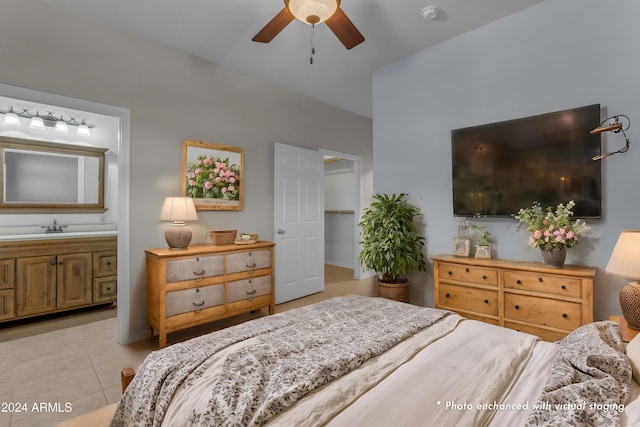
[
  {"x": 208, "y": 185},
  {"x": 223, "y": 189},
  {"x": 197, "y": 171},
  {"x": 537, "y": 234},
  {"x": 231, "y": 188},
  {"x": 207, "y": 161},
  {"x": 191, "y": 175},
  {"x": 192, "y": 182},
  {"x": 232, "y": 179},
  {"x": 570, "y": 235}
]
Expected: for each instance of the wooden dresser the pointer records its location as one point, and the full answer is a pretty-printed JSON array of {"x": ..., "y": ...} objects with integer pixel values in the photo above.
[
  {"x": 189, "y": 287},
  {"x": 526, "y": 296}
]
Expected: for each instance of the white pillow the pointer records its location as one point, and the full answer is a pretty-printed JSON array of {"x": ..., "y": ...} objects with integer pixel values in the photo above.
[{"x": 633, "y": 353}]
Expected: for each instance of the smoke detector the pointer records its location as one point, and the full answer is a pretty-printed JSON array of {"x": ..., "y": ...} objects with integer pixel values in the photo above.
[{"x": 430, "y": 12}]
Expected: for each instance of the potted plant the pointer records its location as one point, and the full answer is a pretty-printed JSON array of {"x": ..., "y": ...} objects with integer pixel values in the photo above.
[
  {"x": 391, "y": 244},
  {"x": 552, "y": 230},
  {"x": 483, "y": 240}
]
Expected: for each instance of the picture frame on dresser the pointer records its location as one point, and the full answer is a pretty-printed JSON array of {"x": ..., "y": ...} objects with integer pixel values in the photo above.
[
  {"x": 461, "y": 247},
  {"x": 213, "y": 175}
]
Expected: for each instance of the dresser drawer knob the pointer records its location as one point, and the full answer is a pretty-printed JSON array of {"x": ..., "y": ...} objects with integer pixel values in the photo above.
[
  {"x": 540, "y": 279},
  {"x": 446, "y": 295},
  {"x": 466, "y": 269},
  {"x": 486, "y": 301},
  {"x": 198, "y": 273},
  {"x": 563, "y": 286},
  {"x": 108, "y": 289},
  {"x": 251, "y": 266},
  {"x": 198, "y": 304},
  {"x": 519, "y": 282},
  {"x": 565, "y": 315},
  {"x": 251, "y": 292},
  {"x": 450, "y": 273},
  {"x": 484, "y": 277},
  {"x": 108, "y": 263},
  {"x": 517, "y": 307}
]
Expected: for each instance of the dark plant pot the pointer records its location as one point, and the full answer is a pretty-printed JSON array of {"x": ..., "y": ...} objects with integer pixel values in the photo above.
[
  {"x": 398, "y": 291},
  {"x": 554, "y": 257}
]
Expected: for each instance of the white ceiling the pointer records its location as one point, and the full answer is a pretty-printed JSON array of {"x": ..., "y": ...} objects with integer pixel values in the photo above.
[{"x": 220, "y": 31}]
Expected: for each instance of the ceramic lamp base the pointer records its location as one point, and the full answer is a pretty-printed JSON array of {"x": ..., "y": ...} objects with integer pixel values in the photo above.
[
  {"x": 630, "y": 304},
  {"x": 178, "y": 235}
]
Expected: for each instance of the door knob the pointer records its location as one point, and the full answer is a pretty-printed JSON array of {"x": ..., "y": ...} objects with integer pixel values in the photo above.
[{"x": 280, "y": 231}]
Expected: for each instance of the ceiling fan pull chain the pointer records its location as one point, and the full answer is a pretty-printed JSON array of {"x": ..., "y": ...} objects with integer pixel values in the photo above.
[{"x": 313, "y": 49}]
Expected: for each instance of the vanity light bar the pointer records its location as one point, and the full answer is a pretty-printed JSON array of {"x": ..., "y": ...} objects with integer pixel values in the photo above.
[{"x": 40, "y": 122}]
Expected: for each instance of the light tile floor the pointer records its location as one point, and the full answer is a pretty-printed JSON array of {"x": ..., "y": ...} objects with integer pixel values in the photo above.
[{"x": 71, "y": 364}]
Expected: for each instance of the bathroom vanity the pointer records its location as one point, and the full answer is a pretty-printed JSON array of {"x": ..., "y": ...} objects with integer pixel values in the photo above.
[{"x": 43, "y": 274}]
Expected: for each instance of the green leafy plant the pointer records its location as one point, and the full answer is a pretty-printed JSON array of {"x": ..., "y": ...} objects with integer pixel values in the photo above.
[
  {"x": 481, "y": 233},
  {"x": 391, "y": 243}
]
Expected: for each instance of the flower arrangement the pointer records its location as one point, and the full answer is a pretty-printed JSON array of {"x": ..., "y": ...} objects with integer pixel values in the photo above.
[
  {"x": 552, "y": 229},
  {"x": 213, "y": 178}
]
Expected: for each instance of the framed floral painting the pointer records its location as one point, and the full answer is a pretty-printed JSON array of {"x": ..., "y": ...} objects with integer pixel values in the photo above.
[{"x": 213, "y": 175}]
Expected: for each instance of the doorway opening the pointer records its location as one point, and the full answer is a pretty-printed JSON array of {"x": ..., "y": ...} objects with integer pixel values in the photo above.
[{"x": 342, "y": 203}]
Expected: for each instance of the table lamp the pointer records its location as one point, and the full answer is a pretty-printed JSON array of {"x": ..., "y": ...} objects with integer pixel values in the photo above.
[
  {"x": 625, "y": 261},
  {"x": 178, "y": 210}
]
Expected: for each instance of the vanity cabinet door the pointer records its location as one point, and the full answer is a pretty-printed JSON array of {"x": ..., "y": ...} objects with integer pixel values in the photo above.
[
  {"x": 35, "y": 285},
  {"x": 74, "y": 278}
]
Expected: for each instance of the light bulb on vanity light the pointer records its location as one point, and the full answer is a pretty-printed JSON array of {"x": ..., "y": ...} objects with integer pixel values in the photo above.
[
  {"x": 83, "y": 129},
  {"x": 37, "y": 122},
  {"x": 61, "y": 126},
  {"x": 11, "y": 118},
  {"x": 178, "y": 210}
]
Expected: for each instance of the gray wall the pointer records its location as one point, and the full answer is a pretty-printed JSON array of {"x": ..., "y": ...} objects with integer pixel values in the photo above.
[
  {"x": 556, "y": 55},
  {"x": 172, "y": 96}
]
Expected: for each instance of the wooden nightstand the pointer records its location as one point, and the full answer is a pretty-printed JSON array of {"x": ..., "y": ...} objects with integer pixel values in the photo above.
[{"x": 627, "y": 333}]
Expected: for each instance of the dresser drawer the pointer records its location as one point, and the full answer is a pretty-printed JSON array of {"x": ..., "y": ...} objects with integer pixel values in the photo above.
[
  {"x": 470, "y": 299},
  {"x": 250, "y": 260},
  {"x": 248, "y": 288},
  {"x": 545, "y": 334},
  {"x": 468, "y": 273},
  {"x": 553, "y": 285},
  {"x": 7, "y": 304},
  {"x": 105, "y": 263},
  {"x": 195, "y": 268},
  {"x": 194, "y": 299},
  {"x": 105, "y": 289},
  {"x": 543, "y": 311}
]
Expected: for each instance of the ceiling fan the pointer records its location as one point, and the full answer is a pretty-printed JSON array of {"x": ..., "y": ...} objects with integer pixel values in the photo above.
[{"x": 313, "y": 12}]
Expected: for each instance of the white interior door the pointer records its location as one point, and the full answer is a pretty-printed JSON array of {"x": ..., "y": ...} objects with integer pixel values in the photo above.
[{"x": 298, "y": 221}]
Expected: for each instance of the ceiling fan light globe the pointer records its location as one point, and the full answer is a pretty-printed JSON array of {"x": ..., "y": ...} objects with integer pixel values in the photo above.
[{"x": 313, "y": 11}]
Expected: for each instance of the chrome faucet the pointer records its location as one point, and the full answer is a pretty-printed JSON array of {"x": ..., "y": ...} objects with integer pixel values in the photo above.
[{"x": 55, "y": 228}]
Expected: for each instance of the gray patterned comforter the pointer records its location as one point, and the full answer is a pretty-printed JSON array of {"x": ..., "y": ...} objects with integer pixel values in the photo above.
[
  {"x": 290, "y": 354},
  {"x": 590, "y": 380}
]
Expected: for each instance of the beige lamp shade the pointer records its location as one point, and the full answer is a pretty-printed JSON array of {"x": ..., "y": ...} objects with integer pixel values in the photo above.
[
  {"x": 178, "y": 209},
  {"x": 625, "y": 261}
]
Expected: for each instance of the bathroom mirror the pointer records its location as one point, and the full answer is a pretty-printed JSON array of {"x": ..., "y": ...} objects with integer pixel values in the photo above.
[{"x": 40, "y": 176}]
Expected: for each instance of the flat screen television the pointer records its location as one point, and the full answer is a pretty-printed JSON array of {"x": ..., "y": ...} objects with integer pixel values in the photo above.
[{"x": 499, "y": 168}]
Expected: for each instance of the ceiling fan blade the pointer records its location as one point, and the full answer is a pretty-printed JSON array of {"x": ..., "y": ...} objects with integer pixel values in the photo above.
[
  {"x": 344, "y": 29},
  {"x": 274, "y": 26}
]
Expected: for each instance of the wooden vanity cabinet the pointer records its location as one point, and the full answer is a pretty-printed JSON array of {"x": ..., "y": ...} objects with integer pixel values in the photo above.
[
  {"x": 526, "y": 296},
  {"x": 203, "y": 283},
  {"x": 47, "y": 276}
]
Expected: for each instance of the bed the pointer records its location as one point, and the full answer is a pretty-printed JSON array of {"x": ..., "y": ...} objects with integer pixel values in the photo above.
[{"x": 357, "y": 360}]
